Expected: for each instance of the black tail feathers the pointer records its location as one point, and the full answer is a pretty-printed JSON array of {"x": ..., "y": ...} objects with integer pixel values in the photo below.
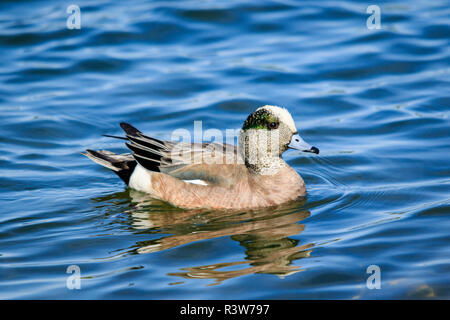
[{"x": 122, "y": 164}]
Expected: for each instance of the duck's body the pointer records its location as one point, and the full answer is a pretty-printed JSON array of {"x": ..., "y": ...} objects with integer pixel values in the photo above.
[
  {"x": 213, "y": 175},
  {"x": 243, "y": 189}
]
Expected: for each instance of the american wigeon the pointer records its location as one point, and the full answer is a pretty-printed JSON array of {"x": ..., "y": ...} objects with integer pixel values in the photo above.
[{"x": 213, "y": 175}]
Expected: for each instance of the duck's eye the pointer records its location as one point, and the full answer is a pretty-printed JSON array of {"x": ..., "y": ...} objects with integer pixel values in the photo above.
[{"x": 273, "y": 125}]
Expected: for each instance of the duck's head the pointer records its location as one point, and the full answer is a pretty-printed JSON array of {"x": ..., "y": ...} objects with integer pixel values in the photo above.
[{"x": 272, "y": 128}]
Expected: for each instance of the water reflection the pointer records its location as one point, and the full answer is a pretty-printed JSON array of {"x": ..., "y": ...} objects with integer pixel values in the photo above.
[{"x": 264, "y": 233}]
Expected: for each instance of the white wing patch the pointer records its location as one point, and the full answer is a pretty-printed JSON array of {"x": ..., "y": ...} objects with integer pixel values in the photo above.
[
  {"x": 140, "y": 180},
  {"x": 197, "y": 181}
]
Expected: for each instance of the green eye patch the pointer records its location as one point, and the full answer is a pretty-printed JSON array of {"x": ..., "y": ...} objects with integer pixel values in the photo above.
[{"x": 260, "y": 119}]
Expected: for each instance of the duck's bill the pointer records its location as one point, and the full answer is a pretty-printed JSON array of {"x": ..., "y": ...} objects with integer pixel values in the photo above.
[{"x": 299, "y": 144}]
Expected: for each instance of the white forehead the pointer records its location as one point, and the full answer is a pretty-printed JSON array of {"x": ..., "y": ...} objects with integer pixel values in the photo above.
[{"x": 282, "y": 114}]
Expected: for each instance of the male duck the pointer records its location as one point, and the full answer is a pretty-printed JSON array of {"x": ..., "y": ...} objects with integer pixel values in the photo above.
[{"x": 216, "y": 176}]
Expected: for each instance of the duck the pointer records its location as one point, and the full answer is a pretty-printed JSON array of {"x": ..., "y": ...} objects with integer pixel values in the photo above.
[{"x": 214, "y": 175}]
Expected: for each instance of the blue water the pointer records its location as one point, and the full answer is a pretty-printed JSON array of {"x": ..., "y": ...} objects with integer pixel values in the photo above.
[{"x": 375, "y": 101}]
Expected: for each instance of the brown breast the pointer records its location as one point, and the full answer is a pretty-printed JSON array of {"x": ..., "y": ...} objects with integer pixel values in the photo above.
[{"x": 248, "y": 190}]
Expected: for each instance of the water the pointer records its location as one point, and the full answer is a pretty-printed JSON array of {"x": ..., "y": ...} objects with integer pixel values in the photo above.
[{"x": 376, "y": 103}]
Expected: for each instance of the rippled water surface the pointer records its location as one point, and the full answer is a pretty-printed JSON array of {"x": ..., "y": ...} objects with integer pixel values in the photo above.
[{"x": 376, "y": 103}]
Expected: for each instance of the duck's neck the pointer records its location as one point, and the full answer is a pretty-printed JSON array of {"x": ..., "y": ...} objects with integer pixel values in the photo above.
[
  {"x": 266, "y": 166},
  {"x": 261, "y": 156}
]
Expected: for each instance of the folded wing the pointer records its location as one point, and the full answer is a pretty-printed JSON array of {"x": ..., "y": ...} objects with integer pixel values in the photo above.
[{"x": 211, "y": 162}]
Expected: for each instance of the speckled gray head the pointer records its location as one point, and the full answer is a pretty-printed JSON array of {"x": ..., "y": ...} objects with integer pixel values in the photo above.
[{"x": 278, "y": 120}]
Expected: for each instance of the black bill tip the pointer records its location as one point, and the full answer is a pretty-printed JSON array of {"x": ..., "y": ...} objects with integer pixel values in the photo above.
[{"x": 313, "y": 150}]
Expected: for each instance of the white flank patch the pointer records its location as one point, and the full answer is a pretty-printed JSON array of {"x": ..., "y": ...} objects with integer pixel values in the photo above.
[
  {"x": 282, "y": 114},
  {"x": 197, "y": 181},
  {"x": 140, "y": 179}
]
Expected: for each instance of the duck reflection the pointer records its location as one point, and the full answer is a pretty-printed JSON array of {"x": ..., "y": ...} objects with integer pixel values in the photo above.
[{"x": 264, "y": 233}]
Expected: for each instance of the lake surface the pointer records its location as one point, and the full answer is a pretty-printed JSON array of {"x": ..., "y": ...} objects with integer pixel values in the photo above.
[{"x": 375, "y": 101}]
